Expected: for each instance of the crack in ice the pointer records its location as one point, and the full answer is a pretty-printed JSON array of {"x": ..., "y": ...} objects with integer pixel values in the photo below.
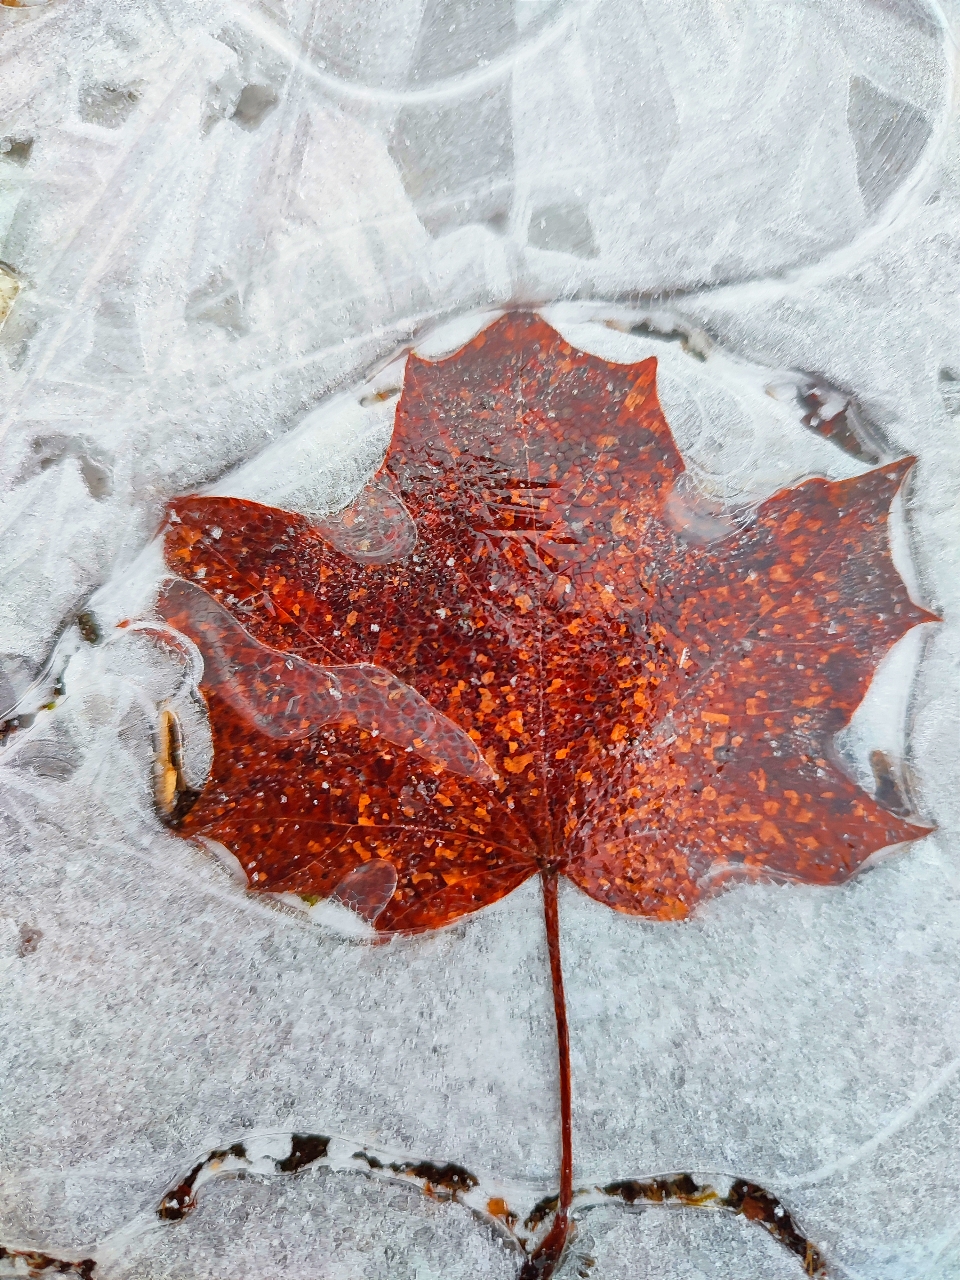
[
  {"x": 899, "y": 1121},
  {"x": 441, "y": 90}
]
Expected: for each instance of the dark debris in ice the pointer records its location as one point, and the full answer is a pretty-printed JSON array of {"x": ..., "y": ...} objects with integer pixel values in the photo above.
[
  {"x": 837, "y": 417},
  {"x": 450, "y": 1182},
  {"x": 743, "y": 1198},
  {"x": 305, "y": 1148},
  {"x": 33, "y": 1263}
]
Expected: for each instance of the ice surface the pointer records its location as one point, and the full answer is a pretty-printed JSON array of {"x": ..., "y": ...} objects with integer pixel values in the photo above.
[
  {"x": 318, "y": 1228},
  {"x": 228, "y": 223},
  {"x": 684, "y": 1245}
]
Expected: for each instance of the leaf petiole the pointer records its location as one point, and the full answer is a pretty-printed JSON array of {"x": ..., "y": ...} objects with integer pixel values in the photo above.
[{"x": 543, "y": 1261}]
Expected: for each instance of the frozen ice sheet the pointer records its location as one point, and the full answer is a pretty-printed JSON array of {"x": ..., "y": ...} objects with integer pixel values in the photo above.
[
  {"x": 220, "y": 219},
  {"x": 321, "y": 1227}
]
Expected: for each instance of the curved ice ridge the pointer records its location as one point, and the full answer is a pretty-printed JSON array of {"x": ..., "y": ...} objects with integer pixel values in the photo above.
[
  {"x": 508, "y": 1209},
  {"x": 288, "y": 697}
]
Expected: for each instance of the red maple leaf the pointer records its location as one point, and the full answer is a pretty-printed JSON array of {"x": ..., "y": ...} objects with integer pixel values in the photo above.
[{"x": 512, "y": 657}]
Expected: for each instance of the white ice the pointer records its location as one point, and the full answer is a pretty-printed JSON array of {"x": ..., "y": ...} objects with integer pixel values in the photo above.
[{"x": 229, "y": 222}]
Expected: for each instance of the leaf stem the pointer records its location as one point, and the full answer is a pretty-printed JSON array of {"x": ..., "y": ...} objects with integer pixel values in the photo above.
[{"x": 543, "y": 1262}]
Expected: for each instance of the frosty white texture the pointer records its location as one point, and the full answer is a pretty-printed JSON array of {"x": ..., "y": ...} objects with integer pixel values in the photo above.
[
  {"x": 327, "y": 1227},
  {"x": 222, "y": 217}
]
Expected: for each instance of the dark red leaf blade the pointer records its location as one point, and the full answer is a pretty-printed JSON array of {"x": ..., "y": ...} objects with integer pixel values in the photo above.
[
  {"x": 306, "y": 802},
  {"x": 657, "y": 713}
]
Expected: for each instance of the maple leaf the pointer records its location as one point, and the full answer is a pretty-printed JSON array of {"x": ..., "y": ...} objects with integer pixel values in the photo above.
[
  {"x": 515, "y": 655},
  {"x": 655, "y": 714}
]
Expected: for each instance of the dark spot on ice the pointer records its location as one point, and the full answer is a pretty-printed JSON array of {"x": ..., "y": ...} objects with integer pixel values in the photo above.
[
  {"x": 541, "y": 1211},
  {"x": 256, "y": 101},
  {"x": 88, "y": 627},
  {"x": 835, "y": 415},
  {"x": 752, "y": 1202},
  {"x": 305, "y": 1148},
  {"x": 451, "y": 1177},
  {"x": 30, "y": 1262},
  {"x": 16, "y": 149},
  {"x": 447, "y": 1177},
  {"x": 889, "y": 792},
  {"x": 29, "y": 940},
  {"x": 692, "y": 343}
]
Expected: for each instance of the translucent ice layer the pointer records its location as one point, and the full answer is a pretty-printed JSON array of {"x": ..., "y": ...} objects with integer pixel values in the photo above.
[{"x": 223, "y": 229}]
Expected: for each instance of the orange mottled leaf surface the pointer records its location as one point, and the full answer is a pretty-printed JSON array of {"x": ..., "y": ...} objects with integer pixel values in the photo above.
[{"x": 512, "y": 654}]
